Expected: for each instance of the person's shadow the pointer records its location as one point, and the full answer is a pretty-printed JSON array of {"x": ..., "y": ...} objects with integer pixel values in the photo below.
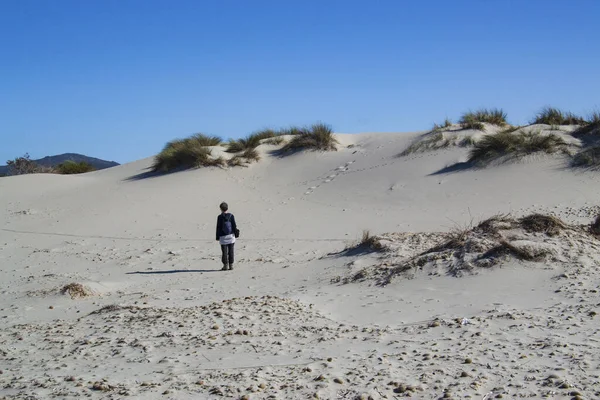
[{"x": 171, "y": 271}]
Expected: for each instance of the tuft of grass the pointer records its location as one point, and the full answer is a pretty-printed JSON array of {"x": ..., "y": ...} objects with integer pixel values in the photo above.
[
  {"x": 467, "y": 142},
  {"x": 510, "y": 129},
  {"x": 251, "y": 155},
  {"x": 439, "y": 128},
  {"x": 276, "y": 141},
  {"x": 292, "y": 131},
  {"x": 251, "y": 141},
  {"x": 475, "y": 119},
  {"x": 587, "y": 158},
  {"x": 513, "y": 145},
  {"x": 72, "y": 167},
  {"x": 554, "y": 116},
  {"x": 594, "y": 118},
  {"x": 247, "y": 156},
  {"x": 236, "y": 161},
  {"x": 318, "y": 137},
  {"x": 186, "y": 153},
  {"x": 254, "y": 140}
]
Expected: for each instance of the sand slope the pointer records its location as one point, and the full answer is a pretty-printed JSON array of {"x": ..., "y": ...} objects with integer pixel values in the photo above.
[{"x": 158, "y": 320}]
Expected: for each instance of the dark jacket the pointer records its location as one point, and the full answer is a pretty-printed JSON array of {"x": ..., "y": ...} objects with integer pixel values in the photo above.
[{"x": 220, "y": 220}]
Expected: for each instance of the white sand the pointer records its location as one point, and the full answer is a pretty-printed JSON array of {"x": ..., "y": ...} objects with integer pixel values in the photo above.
[{"x": 178, "y": 328}]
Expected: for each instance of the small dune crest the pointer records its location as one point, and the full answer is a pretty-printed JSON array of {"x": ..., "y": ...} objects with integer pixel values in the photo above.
[{"x": 501, "y": 239}]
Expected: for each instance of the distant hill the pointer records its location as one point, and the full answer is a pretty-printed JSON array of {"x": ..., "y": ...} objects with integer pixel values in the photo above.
[{"x": 52, "y": 161}]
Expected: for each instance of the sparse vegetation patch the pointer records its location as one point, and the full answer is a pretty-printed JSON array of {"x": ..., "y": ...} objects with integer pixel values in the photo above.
[{"x": 441, "y": 127}]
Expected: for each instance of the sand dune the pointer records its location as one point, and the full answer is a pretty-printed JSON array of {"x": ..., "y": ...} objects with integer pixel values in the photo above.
[{"x": 299, "y": 317}]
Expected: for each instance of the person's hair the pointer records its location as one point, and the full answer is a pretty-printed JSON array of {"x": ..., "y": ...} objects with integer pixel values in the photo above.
[{"x": 223, "y": 206}]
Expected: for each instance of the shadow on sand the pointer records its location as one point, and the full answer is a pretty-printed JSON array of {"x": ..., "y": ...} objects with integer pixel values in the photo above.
[
  {"x": 454, "y": 168},
  {"x": 149, "y": 173},
  {"x": 172, "y": 271}
]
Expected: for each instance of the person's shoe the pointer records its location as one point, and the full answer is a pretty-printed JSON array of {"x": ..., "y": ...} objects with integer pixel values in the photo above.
[
  {"x": 230, "y": 267},
  {"x": 224, "y": 268}
]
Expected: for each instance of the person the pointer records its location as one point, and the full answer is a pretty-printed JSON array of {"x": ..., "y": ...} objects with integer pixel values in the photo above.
[{"x": 226, "y": 235}]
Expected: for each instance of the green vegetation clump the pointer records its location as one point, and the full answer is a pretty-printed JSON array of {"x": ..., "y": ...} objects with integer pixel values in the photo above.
[
  {"x": 476, "y": 119},
  {"x": 186, "y": 153},
  {"x": 73, "y": 167},
  {"x": 513, "y": 145},
  {"x": 318, "y": 137},
  {"x": 554, "y": 116}
]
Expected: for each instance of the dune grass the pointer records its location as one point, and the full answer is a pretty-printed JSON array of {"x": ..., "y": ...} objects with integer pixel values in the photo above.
[
  {"x": 476, "y": 119},
  {"x": 554, "y": 116},
  {"x": 72, "y": 167},
  {"x": 186, "y": 153},
  {"x": 276, "y": 141},
  {"x": 318, "y": 137},
  {"x": 587, "y": 158},
  {"x": 594, "y": 118},
  {"x": 441, "y": 127},
  {"x": 513, "y": 145},
  {"x": 255, "y": 139},
  {"x": 251, "y": 141},
  {"x": 244, "y": 158}
]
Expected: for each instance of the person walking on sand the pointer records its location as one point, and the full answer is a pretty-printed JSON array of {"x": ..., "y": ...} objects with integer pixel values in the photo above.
[{"x": 226, "y": 234}]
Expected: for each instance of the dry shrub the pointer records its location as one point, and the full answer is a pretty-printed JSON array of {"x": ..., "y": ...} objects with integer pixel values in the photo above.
[
  {"x": 493, "y": 225},
  {"x": 370, "y": 242},
  {"x": 76, "y": 290},
  {"x": 541, "y": 223},
  {"x": 25, "y": 165}
]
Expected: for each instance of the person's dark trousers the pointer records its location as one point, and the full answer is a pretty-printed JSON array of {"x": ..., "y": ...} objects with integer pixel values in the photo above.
[{"x": 227, "y": 250}]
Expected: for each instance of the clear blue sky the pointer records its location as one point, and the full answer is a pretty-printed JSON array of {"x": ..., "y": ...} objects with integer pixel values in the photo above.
[{"x": 116, "y": 79}]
